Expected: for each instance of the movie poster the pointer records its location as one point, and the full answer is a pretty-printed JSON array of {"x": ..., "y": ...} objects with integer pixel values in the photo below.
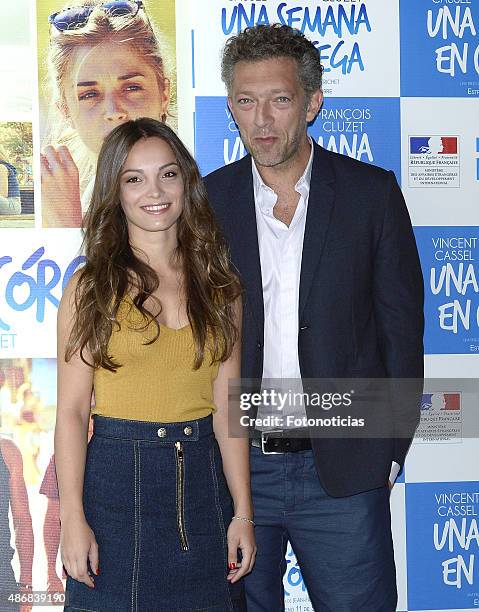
[
  {"x": 92, "y": 78},
  {"x": 16, "y": 138},
  {"x": 449, "y": 258},
  {"x": 443, "y": 545},
  {"x": 439, "y": 48}
]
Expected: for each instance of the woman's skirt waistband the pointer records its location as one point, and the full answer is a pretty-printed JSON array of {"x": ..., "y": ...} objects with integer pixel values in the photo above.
[{"x": 126, "y": 429}]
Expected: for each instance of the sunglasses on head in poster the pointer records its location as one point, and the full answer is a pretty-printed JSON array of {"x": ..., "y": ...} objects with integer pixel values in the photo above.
[{"x": 76, "y": 17}]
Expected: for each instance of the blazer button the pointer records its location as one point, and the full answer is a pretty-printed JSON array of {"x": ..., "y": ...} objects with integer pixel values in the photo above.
[
  {"x": 258, "y": 345},
  {"x": 303, "y": 327}
]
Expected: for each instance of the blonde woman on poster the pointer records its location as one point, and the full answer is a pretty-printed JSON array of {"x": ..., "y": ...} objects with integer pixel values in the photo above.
[
  {"x": 160, "y": 498},
  {"x": 106, "y": 64}
]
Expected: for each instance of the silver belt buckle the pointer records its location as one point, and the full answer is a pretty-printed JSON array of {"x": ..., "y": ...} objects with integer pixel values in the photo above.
[{"x": 264, "y": 440}]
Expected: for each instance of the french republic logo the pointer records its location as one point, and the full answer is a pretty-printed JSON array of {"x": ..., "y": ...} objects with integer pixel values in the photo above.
[
  {"x": 441, "y": 401},
  {"x": 434, "y": 161},
  {"x": 433, "y": 145},
  {"x": 441, "y": 418}
]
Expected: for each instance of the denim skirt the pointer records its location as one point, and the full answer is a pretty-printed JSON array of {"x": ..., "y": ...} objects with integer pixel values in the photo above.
[{"x": 155, "y": 496}]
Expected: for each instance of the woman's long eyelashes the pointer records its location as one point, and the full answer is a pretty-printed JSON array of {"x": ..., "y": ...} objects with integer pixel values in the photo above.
[
  {"x": 134, "y": 88},
  {"x": 171, "y": 174},
  {"x": 89, "y": 95}
]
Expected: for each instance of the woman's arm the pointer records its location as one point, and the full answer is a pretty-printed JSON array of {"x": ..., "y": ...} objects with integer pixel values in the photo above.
[
  {"x": 3, "y": 181},
  {"x": 235, "y": 457},
  {"x": 75, "y": 381}
]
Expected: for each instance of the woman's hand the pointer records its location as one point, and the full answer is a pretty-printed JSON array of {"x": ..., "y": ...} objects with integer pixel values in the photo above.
[
  {"x": 61, "y": 204},
  {"x": 54, "y": 585},
  {"x": 77, "y": 546},
  {"x": 240, "y": 535},
  {"x": 25, "y": 593}
]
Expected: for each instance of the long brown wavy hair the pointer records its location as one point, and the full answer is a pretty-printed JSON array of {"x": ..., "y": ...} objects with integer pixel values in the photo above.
[{"x": 113, "y": 270}]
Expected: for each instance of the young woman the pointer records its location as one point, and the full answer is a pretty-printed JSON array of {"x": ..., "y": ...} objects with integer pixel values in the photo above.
[
  {"x": 106, "y": 65},
  {"x": 151, "y": 324}
]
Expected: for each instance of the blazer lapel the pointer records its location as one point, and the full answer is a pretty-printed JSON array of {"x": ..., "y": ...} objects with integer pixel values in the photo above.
[
  {"x": 318, "y": 217},
  {"x": 244, "y": 245}
]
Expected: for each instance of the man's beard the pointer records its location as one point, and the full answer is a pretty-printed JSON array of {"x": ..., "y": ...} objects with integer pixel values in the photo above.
[{"x": 278, "y": 156}]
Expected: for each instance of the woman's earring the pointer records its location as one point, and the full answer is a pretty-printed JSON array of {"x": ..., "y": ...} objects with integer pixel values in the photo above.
[{"x": 163, "y": 118}]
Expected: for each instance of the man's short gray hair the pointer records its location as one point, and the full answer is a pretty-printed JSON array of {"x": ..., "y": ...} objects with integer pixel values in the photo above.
[{"x": 263, "y": 42}]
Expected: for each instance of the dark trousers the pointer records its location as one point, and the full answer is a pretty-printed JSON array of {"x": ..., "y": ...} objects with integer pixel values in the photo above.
[
  {"x": 343, "y": 545},
  {"x": 8, "y": 585}
]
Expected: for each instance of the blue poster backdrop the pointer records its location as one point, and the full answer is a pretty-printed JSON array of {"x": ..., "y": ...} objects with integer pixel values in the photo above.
[
  {"x": 442, "y": 545},
  {"x": 39, "y": 276},
  {"x": 217, "y": 140},
  {"x": 347, "y": 24},
  {"x": 439, "y": 48},
  {"x": 367, "y": 129},
  {"x": 449, "y": 257}
]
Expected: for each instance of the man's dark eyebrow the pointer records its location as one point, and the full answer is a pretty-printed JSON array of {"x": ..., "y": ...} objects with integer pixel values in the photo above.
[
  {"x": 124, "y": 77},
  {"x": 277, "y": 90},
  {"x": 139, "y": 170}
]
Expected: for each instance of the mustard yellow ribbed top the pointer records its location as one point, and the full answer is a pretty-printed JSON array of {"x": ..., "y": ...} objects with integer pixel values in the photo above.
[{"x": 156, "y": 382}]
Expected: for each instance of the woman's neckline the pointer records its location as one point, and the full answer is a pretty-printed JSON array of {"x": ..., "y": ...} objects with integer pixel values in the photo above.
[
  {"x": 174, "y": 329},
  {"x": 162, "y": 326}
]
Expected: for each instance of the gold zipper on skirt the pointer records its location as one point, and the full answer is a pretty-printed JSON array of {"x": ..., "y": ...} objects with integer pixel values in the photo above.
[{"x": 180, "y": 495}]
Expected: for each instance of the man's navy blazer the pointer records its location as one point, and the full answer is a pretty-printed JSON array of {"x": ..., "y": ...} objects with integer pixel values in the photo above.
[{"x": 360, "y": 298}]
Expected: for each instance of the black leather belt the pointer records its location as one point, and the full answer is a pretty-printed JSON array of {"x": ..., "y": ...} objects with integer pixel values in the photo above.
[{"x": 276, "y": 442}]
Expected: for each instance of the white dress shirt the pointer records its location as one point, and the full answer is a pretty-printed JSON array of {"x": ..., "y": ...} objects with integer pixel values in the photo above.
[{"x": 280, "y": 251}]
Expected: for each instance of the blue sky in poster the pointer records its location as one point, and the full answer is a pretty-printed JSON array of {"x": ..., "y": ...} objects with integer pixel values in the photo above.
[
  {"x": 44, "y": 380},
  {"x": 439, "y": 48},
  {"x": 449, "y": 258}
]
